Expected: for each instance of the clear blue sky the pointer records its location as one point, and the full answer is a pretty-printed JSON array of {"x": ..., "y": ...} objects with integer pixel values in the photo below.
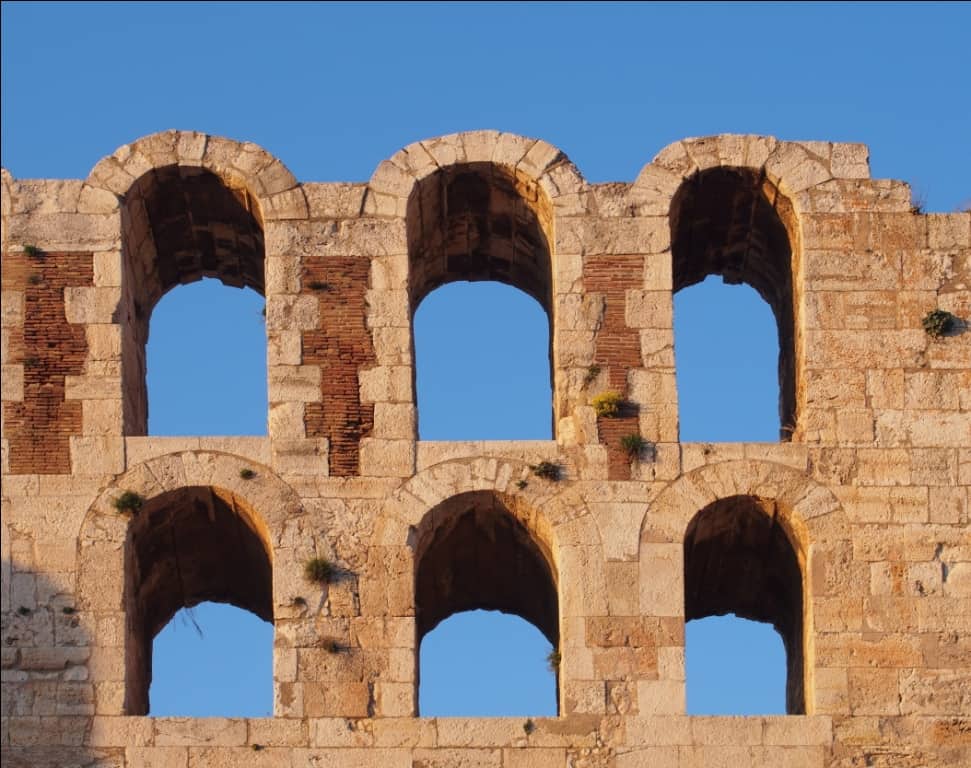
[{"x": 333, "y": 89}]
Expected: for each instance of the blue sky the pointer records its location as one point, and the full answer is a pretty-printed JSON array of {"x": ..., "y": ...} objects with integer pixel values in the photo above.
[{"x": 333, "y": 89}]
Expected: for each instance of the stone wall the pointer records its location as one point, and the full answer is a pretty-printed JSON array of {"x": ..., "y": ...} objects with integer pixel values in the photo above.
[{"x": 857, "y": 518}]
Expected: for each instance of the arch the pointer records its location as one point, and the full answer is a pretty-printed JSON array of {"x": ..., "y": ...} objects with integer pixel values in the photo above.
[
  {"x": 773, "y": 498},
  {"x": 792, "y": 166},
  {"x": 480, "y": 549},
  {"x": 180, "y": 224},
  {"x": 177, "y": 486},
  {"x": 559, "y": 515},
  {"x": 811, "y": 509},
  {"x": 733, "y": 222},
  {"x": 472, "y": 217},
  {"x": 555, "y": 515},
  {"x": 741, "y": 558},
  {"x": 185, "y": 547},
  {"x": 242, "y": 165},
  {"x": 394, "y": 180}
]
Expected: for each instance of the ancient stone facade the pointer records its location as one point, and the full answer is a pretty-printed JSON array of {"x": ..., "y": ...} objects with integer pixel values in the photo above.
[{"x": 851, "y": 534}]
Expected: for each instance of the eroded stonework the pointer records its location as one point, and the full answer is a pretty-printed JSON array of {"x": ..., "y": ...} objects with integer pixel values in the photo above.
[{"x": 850, "y": 535}]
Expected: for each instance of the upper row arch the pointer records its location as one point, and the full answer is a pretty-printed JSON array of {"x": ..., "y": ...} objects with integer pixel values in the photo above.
[{"x": 792, "y": 166}]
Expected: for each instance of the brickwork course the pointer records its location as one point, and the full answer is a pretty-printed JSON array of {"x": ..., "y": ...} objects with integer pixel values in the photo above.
[{"x": 850, "y": 534}]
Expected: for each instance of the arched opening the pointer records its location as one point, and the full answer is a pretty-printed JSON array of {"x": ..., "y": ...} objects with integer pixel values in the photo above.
[
  {"x": 212, "y": 658},
  {"x": 734, "y": 666},
  {"x": 481, "y": 369},
  {"x": 482, "y": 551},
  {"x": 186, "y": 547},
  {"x": 734, "y": 222},
  {"x": 206, "y": 362},
  {"x": 481, "y": 222},
  {"x": 726, "y": 353},
  {"x": 739, "y": 558},
  {"x": 180, "y": 224},
  {"x": 486, "y": 664}
]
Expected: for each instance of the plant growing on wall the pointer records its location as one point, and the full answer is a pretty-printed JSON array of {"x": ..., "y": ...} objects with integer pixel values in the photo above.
[
  {"x": 129, "y": 502},
  {"x": 590, "y": 376},
  {"x": 636, "y": 446},
  {"x": 546, "y": 470},
  {"x": 246, "y": 473},
  {"x": 553, "y": 660},
  {"x": 319, "y": 570},
  {"x": 607, "y": 404},
  {"x": 939, "y": 322}
]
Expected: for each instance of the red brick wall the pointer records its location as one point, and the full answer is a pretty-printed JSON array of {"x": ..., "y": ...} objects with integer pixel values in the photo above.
[
  {"x": 50, "y": 349},
  {"x": 618, "y": 347},
  {"x": 341, "y": 346}
]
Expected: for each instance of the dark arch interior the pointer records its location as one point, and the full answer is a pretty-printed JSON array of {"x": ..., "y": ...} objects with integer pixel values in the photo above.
[
  {"x": 473, "y": 553},
  {"x": 180, "y": 224},
  {"x": 186, "y": 547},
  {"x": 479, "y": 221},
  {"x": 738, "y": 558},
  {"x": 735, "y": 223}
]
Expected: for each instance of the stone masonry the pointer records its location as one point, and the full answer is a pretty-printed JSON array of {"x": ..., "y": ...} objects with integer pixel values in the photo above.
[{"x": 850, "y": 535}]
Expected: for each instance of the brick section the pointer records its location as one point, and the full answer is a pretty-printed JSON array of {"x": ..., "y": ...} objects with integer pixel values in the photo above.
[
  {"x": 341, "y": 347},
  {"x": 618, "y": 347},
  {"x": 50, "y": 349}
]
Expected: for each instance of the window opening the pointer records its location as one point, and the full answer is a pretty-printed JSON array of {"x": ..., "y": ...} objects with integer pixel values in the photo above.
[
  {"x": 735, "y": 223},
  {"x": 726, "y": 356},
  {"x": 480, "y": 222},
  {"x": 206, "y": 362},
  {"x": 180, "y": 224},
  {"x": 482, "y": 371},
  {"x": 739, "y": 559},
  {"x": 480, "y": 552},
  {"x": 213, "y": 659},
  {"x": 734, "y": 666},
  {"x": 486, "y": 664},
  {"x": 186, "y": 547}
]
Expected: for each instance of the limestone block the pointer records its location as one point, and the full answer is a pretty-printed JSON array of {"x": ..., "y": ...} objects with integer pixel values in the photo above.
[
  {"x": 535, "y": 757},
  {"x": 91, "y": 305},
  {"x": 188, "y": 731},
  {"x": 285, "y": 312},
  {"x": 282, "y": 274},
  {"x": 12, "y": 384},
  {"x": 620, "y": 526},
  {"x": 653, "y": 190},
  {"x": 104, "y": 341},
  {"x": 660, "y": 697},
  {"x": 850, "y": 161},
  {"x": 948, "y": 230},
  {"x": 387, "y": 458},
  {"x": 66, "y": 231},
  {"x": 388, "y": 309},
  {"x": 613, "y": 236},
  {"x": 101, "y": 417},
  {"x": 286, "y": 421},
  {"x": 662, "y": 579},
  {"x": 97, "y": 455},
  {"x": 948, "y": 505},
  {"x": 107, "y": 269},
  {"x": 301, "y": 457},
  {"x": 12, "y": 309},
  {"x": 346, "y": 699},
  {"x": 295, "y": 383},
  {"x": 649, "y": 309},
  {"x": 798, "y": 169},
  {"x": 389, "y": 384}
]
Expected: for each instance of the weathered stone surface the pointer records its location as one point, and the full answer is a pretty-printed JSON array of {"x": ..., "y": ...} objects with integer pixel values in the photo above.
[{"x": 852, "y": 538}]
